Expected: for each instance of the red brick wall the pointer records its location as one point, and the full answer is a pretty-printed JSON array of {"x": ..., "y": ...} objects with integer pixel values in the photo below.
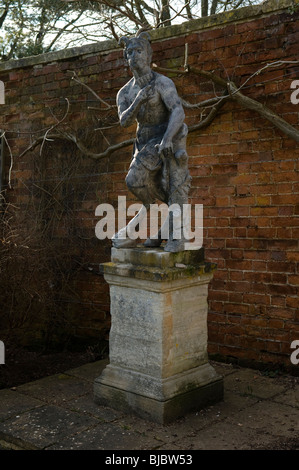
[{"x": 244, "y": 171}]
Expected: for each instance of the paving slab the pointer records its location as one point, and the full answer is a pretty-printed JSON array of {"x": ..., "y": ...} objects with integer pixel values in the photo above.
[
  {"x": 86, "y": 405},
  {"x": 225, "y": 369},
  {"x": 268, "y": 417},
  {"x": 191, "y": 423},
  {"x": 106, "y": 436},
  {"x": 290, "y": 397},
  {"x": 13, "y": 403},
  {"x": 44, "y": 426},
  {"x": 220, "y": 436},
  {"x": 56, "y": 388},
  {"x": 88, "y": 371},
  {"x": 252, "y": 383},
  {"x": 59, "y": 413}
]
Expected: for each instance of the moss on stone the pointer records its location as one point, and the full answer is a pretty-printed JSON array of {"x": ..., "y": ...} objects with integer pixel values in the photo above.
[{"x": 155, "y": 273}]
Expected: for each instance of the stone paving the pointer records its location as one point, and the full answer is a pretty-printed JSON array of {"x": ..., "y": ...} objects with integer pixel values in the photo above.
[{"x": 59, "y": 413}]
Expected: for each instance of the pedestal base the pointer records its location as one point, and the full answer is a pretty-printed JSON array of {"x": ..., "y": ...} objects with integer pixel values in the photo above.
[
  {"x": 159, "y": 401},
  {"x": 159, "y": 365}
]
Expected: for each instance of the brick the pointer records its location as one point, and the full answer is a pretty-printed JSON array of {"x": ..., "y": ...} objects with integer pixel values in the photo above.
[
  {"x": 293, "y": 280},
  {"x": 291, "y": 302},
  {"x": 278, "y": 301},
  {"x": 280, "y": 313},
  {"x": 257, "y": 299}
]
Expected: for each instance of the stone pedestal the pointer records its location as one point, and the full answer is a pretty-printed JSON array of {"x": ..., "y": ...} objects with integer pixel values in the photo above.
[{"x": 159, "y": 366}]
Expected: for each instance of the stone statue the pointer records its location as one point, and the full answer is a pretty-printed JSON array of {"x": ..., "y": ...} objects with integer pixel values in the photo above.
[{"x": 159, "y": 166}]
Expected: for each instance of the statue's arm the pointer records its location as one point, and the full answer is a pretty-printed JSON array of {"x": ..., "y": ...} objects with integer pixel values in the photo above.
[
  {"x": 127, "y": 111},
  {"x": 173, "y": 103}
]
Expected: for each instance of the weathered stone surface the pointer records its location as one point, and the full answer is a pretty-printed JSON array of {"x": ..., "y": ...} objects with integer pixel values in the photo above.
[
  {"x": 159, "y": 167},
  {"x": 157, "y": 257},
  {"x": 240, "y": 421},
  {"x": 156, "y": 265},
  {"x": 44, "y": 426},
  {"x": 159, "y": 411},
  {"x": 158, "y": 340},
  {"x": 46, "y": 388},
  {"x": 13, "y": 403}
]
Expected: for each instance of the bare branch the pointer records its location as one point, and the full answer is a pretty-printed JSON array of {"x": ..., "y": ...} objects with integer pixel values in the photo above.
[
  {"x": 55, "y": 125},
  {"x": 271, "y": 64},
  {"x": 214, "y": 6},
  {"x": 242, "y": 99},
  {"x": 139, "y": 5},
  {"x": 165, "y": 14},
  {"x": 76, "y": 79},
  {"x": 61, "y": 31},
  {"x": 3, "y": 16},
  {"x": 204, "y": 7},
  {"x": 79, "y": 144},
  {"x": 188, "y": 10},
  {"x": 106, "y": 153},
  {"x": 169, "y": 18},
  {"x": 11, "y": 160},
  {"x": 254, "y": 105},
  {"x": 207, "y": 121},
  {"x": 206, "y": 103}
]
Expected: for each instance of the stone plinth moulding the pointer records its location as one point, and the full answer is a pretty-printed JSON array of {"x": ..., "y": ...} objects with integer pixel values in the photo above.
[{"x": 159, "y": 366}]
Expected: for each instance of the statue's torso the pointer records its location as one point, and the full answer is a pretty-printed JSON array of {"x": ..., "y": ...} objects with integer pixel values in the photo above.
[{"x": 154, "y": 111}]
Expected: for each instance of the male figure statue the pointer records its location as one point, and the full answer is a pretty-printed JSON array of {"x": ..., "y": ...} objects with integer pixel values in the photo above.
[{"x": 159, "y": 167}]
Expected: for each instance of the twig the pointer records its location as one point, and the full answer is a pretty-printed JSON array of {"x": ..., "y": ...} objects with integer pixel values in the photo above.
[
  {"x": 11, "y": 160},
  {"x": 212, "y": 114},
  {"x": 54, "y": 125},
  {"x": 106, "y": 153},
  {"x": 169, "y": 20},
  {"x": 273, "y": 64},
  {"x": 166, "y": 70},
  {"x": 254, "y": 105},
  {"x": 77, "y": 80},
  {"x": 206, "y": 103},
  {"x": 248, "y": 103},
  {"x": 47, "y": 192},
  {"x": 80, "y": 145},
  {"x": 186, "y": 66}
]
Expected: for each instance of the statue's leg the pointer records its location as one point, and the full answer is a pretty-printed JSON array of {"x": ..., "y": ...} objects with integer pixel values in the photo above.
[
  {"x": 159, "y": 192},
  {"x": 136, "y": 182},
  {"x": 156, "y": 241},
  {"x": 141, "y": 181},
  {"x": 178, "y": 195}
]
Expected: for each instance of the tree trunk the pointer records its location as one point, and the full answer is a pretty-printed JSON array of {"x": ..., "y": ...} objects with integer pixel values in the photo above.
[
  {"x": 165, "y": 13},
  {"x": 213, "y": 7},
  {"x": 204, "y": 7}
]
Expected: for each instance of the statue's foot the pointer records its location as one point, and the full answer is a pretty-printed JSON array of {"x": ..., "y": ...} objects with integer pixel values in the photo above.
[
  {"x": 119, "y": 240},
  {"x": 175, "y": 246},
  {"x": 152, "y": 242},
  {"x": 127, "y": 243}
]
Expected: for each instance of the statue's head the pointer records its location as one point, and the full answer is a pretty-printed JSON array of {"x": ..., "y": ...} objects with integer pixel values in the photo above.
[{"x": 140, "y": 41}]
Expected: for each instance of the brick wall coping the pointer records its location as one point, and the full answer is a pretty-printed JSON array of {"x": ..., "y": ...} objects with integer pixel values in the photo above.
[{"x": 214, "y": 21}]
